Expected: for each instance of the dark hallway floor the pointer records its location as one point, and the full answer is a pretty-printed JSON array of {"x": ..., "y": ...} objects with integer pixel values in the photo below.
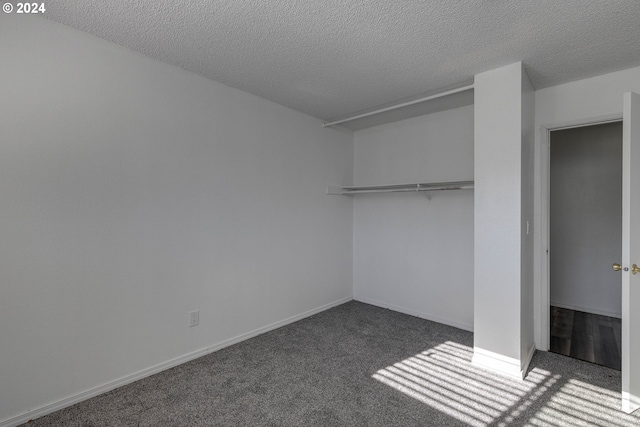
[{"x": 586, "y": 336}]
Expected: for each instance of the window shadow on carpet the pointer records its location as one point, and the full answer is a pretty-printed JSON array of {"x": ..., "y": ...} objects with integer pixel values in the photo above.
[{"x": 444, "y": 379}]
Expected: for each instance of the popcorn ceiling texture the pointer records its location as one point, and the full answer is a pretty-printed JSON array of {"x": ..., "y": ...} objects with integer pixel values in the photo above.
[{"x": 331, "y": 58}]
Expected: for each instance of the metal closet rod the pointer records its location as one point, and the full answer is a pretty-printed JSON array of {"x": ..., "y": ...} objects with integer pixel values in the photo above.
[
  {"x": 395, "y": 107},
  {"x": 439, "y": 186}
]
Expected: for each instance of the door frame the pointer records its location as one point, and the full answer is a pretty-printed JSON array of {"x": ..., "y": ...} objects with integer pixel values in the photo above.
[{"x": 541, "y": 236}]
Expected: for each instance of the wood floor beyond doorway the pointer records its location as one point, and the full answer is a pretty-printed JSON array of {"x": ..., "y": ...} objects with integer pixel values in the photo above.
[{"x": 586, "y": 336}]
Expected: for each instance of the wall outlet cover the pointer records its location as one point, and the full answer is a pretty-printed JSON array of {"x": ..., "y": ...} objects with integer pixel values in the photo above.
[{"x": 194, "y": 318}]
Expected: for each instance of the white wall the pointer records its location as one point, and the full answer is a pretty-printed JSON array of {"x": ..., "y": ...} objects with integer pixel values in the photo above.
[
  {"x": 412, "y": 254},
  {"x": 503, "y": 103},
  {"x": 579, "y": 102},
  {"x": 584, "y": 100},
  {"x": 133, "y": 192},
  {"x": 586, "y": 218}
]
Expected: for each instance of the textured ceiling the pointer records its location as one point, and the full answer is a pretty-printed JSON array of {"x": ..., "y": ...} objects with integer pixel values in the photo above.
[{"x": 331, "y": 58}]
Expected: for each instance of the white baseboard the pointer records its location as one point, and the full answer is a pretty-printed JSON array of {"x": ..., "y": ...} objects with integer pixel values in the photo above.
[
  {"x": 505, "y": 365},
  {"x": 630, "y": 403},
  {"x": 587, "y": 309},
  {"x": 415, "y": 313},
  {"x": 72, "y": 400}
]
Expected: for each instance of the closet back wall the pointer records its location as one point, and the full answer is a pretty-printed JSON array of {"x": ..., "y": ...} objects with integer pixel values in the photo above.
[{"x": 412, "y": 254}]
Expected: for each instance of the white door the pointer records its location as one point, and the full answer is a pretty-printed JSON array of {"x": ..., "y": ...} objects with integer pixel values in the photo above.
[{"x": 631, "y": 253}]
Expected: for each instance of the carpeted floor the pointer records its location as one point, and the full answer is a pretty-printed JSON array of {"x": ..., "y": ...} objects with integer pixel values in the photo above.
[{"x": 357, "y": 365}]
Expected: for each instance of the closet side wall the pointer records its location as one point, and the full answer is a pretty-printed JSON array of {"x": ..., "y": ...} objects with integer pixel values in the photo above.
[
  {"x": 502, "y": 298},
  {"x": 412, "y": 254}
]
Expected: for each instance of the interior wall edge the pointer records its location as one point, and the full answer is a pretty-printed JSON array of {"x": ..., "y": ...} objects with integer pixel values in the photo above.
[
  {"x": 526, "y": 361},
  {"x": 152, "y": 370}
]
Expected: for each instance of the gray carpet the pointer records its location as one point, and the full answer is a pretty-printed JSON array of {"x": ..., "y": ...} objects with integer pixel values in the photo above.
[{"x": 357, "y": 365}]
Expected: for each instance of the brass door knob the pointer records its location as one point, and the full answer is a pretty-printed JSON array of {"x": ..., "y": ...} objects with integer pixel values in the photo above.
[
  {"x": 617, "y": 267},
  {"x": 635, "y": 269}
]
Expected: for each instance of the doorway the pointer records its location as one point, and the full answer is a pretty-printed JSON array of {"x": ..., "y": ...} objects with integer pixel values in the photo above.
[{"x": 585, "y": 223}]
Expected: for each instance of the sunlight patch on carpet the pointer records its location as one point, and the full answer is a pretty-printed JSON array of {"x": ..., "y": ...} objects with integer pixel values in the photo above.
[{"x": 444, "y": 378}]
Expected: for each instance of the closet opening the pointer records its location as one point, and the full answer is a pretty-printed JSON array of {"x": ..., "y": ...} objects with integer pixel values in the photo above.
[{"x": 585, "y": 227}]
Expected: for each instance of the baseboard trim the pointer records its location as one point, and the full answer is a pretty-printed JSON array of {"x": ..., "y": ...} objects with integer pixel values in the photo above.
[
  {"x": 415, "y": 313},
  {"x": 587, "y": 310},
  {"x": 500, "y": 363},
  {"x": 630, "y": 403},
  {"x": 77, "y": 398}
]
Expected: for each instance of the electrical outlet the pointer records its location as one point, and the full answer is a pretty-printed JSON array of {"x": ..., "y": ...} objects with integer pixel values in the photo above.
[{"x": 194, "y": 318}]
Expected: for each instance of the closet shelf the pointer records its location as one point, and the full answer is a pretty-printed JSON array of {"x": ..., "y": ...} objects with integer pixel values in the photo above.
[{"x": 431, "y": 186}]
